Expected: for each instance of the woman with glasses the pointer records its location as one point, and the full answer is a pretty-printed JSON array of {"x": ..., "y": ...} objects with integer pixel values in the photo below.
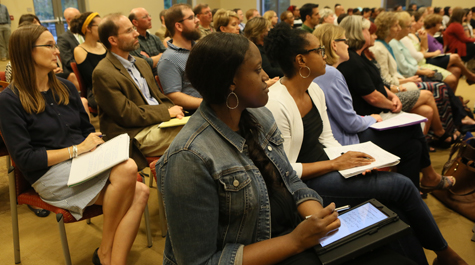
[
  {"x": 89, "y": 53},
  {"x": 451, "y": 110},
  {"x": 241, "y": 203},
  {"x": 44, "y": 126},
  {"x": 29, "y": 19},
  {"x": 406, "y": 64},
  {"x": 420, "y": 44},
  {"x": 298, "y": 105},
  {"x": 350, "y": 128}
]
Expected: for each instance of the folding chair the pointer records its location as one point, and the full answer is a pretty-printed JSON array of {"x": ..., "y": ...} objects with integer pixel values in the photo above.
[{"x": 21, "y": 192}]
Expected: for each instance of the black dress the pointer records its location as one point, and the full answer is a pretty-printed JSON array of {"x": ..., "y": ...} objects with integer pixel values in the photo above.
[{"x": 86, "y": 68}]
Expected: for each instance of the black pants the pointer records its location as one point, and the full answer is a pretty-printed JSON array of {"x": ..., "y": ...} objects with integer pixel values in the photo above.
[
  {"x": 408, "y": 143},
  {"x": 383, "y": 255}
]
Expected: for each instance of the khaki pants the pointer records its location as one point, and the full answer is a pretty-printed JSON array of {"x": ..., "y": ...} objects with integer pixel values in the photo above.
[{"x": 153, "y": 141}]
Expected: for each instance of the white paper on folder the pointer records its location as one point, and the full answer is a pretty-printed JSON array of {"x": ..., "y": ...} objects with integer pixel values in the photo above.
[
  {"x": 396, "y": 120},
  {"x": 106, "y": 155},
  {"x": 382, "y": 157}
]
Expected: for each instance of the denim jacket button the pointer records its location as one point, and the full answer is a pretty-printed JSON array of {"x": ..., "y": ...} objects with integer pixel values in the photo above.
[
  {"x": 236, "y": 183},
  {"x": 287, "y": 173},
  {"x": 269, "y": 148}
]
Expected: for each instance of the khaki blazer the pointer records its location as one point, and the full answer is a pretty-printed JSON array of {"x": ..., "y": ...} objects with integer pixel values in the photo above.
[{"x": 122, "y": 106}]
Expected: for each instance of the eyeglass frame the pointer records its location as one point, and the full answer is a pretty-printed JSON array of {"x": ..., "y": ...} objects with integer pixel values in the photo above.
[
  {"x": 192, "y": 17},
  {"x": 344, "y": 40},
  {"x": 52, "y": 47},
  {"x": 320, "y": 50}
]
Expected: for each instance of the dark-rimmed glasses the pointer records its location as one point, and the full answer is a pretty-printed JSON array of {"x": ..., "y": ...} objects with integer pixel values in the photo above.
[
  {"x": 343, "y": 40},
  {"x": 52, "y": 47},
  {"x": 320, "y": 50},
  {"x": 192, "y": 18}
]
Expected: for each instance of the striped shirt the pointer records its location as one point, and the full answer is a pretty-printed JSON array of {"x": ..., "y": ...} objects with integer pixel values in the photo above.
[{"x": 171, "y": 71}]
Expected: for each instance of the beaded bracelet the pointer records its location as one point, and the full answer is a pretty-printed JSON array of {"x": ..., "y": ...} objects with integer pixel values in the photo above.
[{"x": 69, "y": 151}]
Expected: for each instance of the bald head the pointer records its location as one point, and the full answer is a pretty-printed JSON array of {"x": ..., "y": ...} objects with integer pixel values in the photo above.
[
  {"x": 140, "y": 19},
  {"x": 70, "y": 13}
]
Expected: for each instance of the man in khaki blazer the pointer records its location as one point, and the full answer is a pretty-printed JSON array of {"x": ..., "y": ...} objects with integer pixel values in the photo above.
[{"x": 127, "y": 95}]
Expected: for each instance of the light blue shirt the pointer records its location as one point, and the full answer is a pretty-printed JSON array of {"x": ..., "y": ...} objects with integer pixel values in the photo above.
[
  {"x": 344, "y": 121},
  {"x": 137, "y": 77},
  {"x": 406, "y": 64}
]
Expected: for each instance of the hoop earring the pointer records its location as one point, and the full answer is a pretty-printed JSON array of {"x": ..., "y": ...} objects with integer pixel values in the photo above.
[
  {"x": 237, "y": 100},
  {"x": 308, "y": 72}
]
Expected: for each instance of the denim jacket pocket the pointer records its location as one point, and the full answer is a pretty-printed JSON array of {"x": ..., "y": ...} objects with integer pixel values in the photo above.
[
  {"x": 236, "y": 181},
  {"x": 238, "y": 207}
]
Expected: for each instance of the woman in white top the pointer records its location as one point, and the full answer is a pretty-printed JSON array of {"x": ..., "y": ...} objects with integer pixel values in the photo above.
[
  {"x": 417, "y": 44},
  {"x": 298, "y": 106}
]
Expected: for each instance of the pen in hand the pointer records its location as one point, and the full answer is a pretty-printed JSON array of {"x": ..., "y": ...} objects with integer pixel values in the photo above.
[{"x": 339, "y": 209}]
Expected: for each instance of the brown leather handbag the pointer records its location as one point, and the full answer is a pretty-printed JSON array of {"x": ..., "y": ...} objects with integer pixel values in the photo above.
[{"x": 461, "y": 197}]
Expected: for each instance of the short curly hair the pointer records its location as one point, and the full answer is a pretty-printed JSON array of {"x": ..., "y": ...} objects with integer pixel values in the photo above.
[
  {"x": 432, "y": 20},
  {"x": 384, "y": 22},
  {"x": 283, "y": 44}
]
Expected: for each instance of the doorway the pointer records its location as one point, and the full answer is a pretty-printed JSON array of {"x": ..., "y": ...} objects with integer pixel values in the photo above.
[{"x": 50, "y": 13}]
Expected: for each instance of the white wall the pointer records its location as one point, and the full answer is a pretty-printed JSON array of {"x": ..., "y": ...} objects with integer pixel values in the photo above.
[
  {"x": 104, "y": 7},
  {"x": 345, "y": 3},
  {"x": 154, "y": 7}
]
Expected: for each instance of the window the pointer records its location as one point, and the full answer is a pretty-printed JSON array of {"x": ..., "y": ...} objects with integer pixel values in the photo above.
[
  {"x": 169, "y": 3},
  {"x": 278, "y": 6}
]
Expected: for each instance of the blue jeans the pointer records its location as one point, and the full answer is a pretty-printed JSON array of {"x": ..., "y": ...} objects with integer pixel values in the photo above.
[{"x": 391, "y": 189}]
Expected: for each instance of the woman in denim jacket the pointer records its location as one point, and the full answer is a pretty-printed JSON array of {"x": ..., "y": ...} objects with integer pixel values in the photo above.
[
  {"x": 225, "y": 177},
  {"x": 231, "y": 196}
]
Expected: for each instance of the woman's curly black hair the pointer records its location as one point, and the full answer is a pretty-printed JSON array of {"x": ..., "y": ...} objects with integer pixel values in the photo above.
[{"x": 282, "y": 44}]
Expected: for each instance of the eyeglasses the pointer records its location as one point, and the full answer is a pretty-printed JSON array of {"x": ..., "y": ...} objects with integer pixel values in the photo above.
[
  {"x": 129, "y": 30},
  {"x": 320, "y": 50},
  {"x": 52, "y": 47},
  {"x": 343, "y": 40},
  {"x": 192, "y": 18}
]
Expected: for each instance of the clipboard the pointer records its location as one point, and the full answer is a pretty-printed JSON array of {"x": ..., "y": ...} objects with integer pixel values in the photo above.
[{"x": 365, "y": 239}]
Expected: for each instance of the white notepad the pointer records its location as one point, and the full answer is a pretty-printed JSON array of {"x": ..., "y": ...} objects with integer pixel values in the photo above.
[
  {"x": 397, "y": 120},
  {"x": 106, "y": 155},
  {"x": 382, "y": 157}
]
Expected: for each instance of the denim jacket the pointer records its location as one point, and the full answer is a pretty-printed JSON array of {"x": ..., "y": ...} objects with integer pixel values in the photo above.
[{"x": 216, "y": 200}]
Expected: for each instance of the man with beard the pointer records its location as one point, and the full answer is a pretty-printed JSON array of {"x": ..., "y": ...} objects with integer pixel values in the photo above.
[
  {"x": 182, "y": 24},
  {"x": 127, "y": 95},
  {"x": 151, "y": 47}
]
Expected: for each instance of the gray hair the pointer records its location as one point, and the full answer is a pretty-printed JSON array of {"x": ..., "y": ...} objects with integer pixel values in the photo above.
[
  {"x": 326, "y": 13},
  {"x": 354, "y": 26}
]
